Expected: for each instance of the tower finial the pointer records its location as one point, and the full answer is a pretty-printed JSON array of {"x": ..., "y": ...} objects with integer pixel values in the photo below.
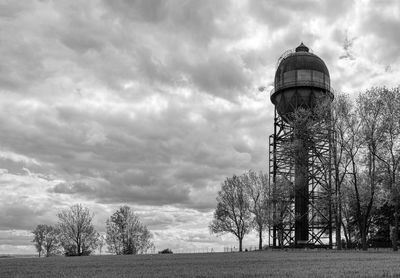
[{"x": 302, "y": 48}]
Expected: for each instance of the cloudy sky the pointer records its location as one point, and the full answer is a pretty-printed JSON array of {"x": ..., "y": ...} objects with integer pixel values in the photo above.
[{"x": 153, "y": 103}]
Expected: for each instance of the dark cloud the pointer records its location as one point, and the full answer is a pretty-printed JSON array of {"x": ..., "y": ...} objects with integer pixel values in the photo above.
[
  {"x": 19, "y": 215},
  {"x": 104, "y": 192},
  {"x": 140, "y": 10},
  {"x": 74, "y": 188},
  {"x": 192, "y": 19},
  {"x": 279, "y": 14},
  {"x": 152, "y": 195},
  {"x": 12, "y": 10},
  {"x": 221, "y": 75}
]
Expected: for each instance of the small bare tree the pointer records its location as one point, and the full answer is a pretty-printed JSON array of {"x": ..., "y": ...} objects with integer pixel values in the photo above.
[
  {"x": 232, "y": 213},
  {"x": 126, "y": 234},
  {"x": 38, "y": 239},
  {"x": 256, "y": 187},
  {"x": 46, "y": 240}
]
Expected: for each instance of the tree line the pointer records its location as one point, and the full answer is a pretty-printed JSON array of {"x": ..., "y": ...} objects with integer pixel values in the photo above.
[
  {"x": 364, "y": 170},
  {"x": 367, "y": 141},
  {"x": 75, "y": 235}
]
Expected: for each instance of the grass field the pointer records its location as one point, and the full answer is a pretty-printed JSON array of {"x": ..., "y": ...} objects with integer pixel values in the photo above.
[{"x": 296, "y": 263}]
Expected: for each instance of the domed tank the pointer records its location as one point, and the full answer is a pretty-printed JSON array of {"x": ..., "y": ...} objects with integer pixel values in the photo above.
[{"x": 301, "y": 80}]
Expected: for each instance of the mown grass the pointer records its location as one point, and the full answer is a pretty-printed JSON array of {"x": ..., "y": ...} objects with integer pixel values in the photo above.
[{"x": 298, "y": 263}]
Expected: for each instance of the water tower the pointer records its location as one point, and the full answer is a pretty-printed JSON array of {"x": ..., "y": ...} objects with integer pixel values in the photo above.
[{"x": 301, "y": 81}]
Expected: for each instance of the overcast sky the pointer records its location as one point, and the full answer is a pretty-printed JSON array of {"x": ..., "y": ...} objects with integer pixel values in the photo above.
[{"x": 153, "y": 103}]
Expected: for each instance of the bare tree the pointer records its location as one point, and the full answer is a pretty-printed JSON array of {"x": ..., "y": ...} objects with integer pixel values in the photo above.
[
  {"x": 46, "y": 240},
  {"x": 353, "y": 165},
  {"x": 126, "y": 234},
  {"x": 341, "y": 109},
  {"x": 38, "y": 238},
  {"x": 256, "y": 187},
  {"x": 77, "y": 234},
  {"x": 358, "y": 137},
  {"x": 369, "y": 110},
  {"x": 232, "y": 213},
  {"x": 345, "y": 127},
  {"x": 352, "y": 146}
]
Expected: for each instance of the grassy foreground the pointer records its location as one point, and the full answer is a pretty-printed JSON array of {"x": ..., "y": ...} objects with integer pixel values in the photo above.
[{"x": 312, "y": 263}]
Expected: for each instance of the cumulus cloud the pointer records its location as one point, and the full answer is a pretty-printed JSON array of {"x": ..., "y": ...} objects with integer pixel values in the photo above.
[{"x": 154, "y": 103}]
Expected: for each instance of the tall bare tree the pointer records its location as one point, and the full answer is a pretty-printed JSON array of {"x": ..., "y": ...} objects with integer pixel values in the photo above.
[
  {"x": 232, "y": 213},
  {"x": 341, "y": 113},
  {"x": 256, "y": 187},
  {"x": 77, "y": 234},
  {"x": 38, "y": 239},
  {"x": 355, "y": 166},
  {"x": 388, "y": 152},
  {"x": 370, "y": 110}
]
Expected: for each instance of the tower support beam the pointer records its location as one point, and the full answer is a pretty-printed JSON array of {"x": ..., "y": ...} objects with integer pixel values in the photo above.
[{"x": 304, "y": 216}]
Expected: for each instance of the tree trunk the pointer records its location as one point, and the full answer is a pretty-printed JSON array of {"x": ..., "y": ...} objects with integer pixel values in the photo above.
[
  {"x": 280, "y": 232},
  {"x": 338, "y": 217},
  {"x": 260, "y": 239},
  {"x": 364, "y": 240},
  {"x": 396, "y": 228},
  {"x": 346, "y": 236},
  {"x": 240, "y": 244},
  {"x": 364, "y": 243}
]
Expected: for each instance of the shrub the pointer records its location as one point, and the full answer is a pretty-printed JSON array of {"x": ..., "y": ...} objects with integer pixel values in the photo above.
[{"x": 166, "y": 251}]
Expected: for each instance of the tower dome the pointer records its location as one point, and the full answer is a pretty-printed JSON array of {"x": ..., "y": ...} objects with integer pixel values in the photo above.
[{"x": 301, "y": 80}]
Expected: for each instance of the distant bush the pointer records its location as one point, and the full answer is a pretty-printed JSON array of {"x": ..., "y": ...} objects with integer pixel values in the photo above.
[
  {"x": 70, "y": 251},
  {"x": 166, "y": 251},
  {"x": 6, "y": 256}
]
